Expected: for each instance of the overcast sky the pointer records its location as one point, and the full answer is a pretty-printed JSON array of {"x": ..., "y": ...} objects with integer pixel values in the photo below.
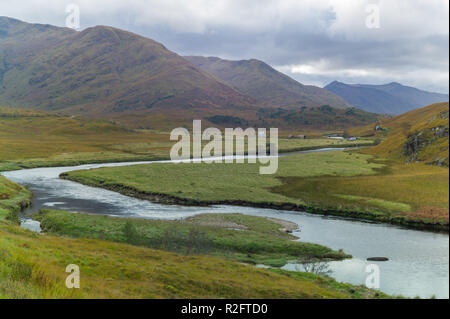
[{"x": 314, "y": 41}]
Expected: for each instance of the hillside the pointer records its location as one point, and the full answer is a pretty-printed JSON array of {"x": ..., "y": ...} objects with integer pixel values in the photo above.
[
  {"x": 103, "y": 72},
  {"x": 421, "y": 135},
  {"x": 323, "y": 117},
  {"x": 110, "y": 74},
  {"x": 392, "y": 98},
  {"x": 260, "y": 81}
]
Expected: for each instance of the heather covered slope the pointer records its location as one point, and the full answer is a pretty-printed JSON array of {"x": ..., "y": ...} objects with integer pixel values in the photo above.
[
  {"x": 418, "y": 136},
  {"x": 108, "y": 73},
  {"x": 260, "y": 81},
  {"x": 392, "y": 98}
]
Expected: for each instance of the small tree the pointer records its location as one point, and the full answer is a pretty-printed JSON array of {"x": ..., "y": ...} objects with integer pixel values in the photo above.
[{"x": 314, "y": 266}]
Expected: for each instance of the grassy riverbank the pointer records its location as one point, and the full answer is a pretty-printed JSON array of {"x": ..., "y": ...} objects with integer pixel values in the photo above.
[
  {"x": 13, "y": 198},
  {"x": 297, "y": 185},
  {"x": 292, "y": 145},
  {"x": 407, "y": 193},
  {"x": 237, "y": 237},
  {"x": 34, "y": 266}
]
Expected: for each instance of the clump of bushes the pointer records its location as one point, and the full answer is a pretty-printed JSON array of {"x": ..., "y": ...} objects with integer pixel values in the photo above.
[{"x": 193, "y": 242}]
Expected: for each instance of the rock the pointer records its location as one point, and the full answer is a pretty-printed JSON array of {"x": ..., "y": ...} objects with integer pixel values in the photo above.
[{"x": 378, "y": 259}]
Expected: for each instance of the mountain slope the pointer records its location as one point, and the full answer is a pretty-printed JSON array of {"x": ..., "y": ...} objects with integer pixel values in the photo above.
[
  {"x": 260, "y": 81},
  {"x": 392, "y": 98},
  {"x": 420, "y": 135},
  {"x": 106, "y": 72}
]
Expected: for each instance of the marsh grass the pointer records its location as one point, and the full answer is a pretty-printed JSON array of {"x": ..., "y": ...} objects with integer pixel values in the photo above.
[
  {"x": 345, "y": 183},
  {"x": 33, "y": 266},
  {"x": 225, "y": 182},
  {"x": 237, "y": 237},
  {"x": 13, "y": 198}
]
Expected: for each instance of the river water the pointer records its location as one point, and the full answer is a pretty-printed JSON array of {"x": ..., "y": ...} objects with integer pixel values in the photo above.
[{"x": 418, "y": 261}]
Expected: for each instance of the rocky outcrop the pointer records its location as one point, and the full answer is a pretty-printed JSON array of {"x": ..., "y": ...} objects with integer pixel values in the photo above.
[{"x": 417, "y": 143}]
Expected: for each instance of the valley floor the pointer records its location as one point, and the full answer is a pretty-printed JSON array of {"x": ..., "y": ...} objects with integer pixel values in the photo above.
[
  {"x": 344, "y": 183},
  {"x": 145, "y": 259},
  {"x": 31, "y": 139}
]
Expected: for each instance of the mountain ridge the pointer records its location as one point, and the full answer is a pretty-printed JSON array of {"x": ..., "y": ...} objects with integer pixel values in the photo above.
[
  {"x": 259, "y": 80},
  {"x": 105, "y": 72},
  {"x": 118, "y": 76},
  {"x": 392, "y": 98}
]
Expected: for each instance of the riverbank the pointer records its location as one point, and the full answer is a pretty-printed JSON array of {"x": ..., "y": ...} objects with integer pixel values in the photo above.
[
  {"x": 29, "y": 268},
  {"x": 133, "y": 149},
  {"x": 241, "y": 185},
  {"x": 361, "y": 239},
  {"x": 13, "y": 199},
  {"x": 237, "y": 237},
  {"x": 356, "y": 215}
]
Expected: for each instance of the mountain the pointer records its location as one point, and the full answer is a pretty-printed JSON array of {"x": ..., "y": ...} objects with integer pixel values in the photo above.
[
  {"x": 103, "y": 72},
  {"x": 262, "y": 82},
  {"x": 392, "y": 98},
  {"x": 114, "y": 75},
  {"x": 421, "y": 135}
]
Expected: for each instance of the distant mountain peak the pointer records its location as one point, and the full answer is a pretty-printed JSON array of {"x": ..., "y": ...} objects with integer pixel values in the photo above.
[
  {"x": 7, "y": 20},
  {"x": 334, "y": 83},
  {"x": 392, "y": 98}
]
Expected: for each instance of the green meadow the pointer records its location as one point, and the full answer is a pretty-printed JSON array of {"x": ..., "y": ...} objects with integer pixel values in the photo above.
[
  {"x": 345, "y": 183},
  {"x": 219, "y": 182},
  {"x": 37, "y": 139},
  {"x": 237, "y": 237}
]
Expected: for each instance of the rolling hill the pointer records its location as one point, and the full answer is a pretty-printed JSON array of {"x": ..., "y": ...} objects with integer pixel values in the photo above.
[
  {"x": 114, "y": 75},
  {"x": 392, "y": 98},
  {"x": 262, "y": 82},
  {"x": 105, "y": 72},
  {"x": 420, "y": 135}
]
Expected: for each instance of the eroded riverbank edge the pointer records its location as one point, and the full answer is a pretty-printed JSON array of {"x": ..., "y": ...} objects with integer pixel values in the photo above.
[{"x": 351, "y": 215}]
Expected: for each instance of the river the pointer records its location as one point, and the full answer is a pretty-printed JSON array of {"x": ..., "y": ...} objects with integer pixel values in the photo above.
[{"x": 418, "y": 261}]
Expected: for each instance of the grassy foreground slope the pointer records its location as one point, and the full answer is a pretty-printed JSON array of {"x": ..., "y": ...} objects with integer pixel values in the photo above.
[
  {"x": 237, "y": 237},
  {"x": 34, "y": 266},
  {"x": 13, "y": 197}
]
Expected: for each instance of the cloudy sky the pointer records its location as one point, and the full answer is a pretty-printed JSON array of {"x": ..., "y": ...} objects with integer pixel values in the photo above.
[{"x": 314, "y": 41}]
